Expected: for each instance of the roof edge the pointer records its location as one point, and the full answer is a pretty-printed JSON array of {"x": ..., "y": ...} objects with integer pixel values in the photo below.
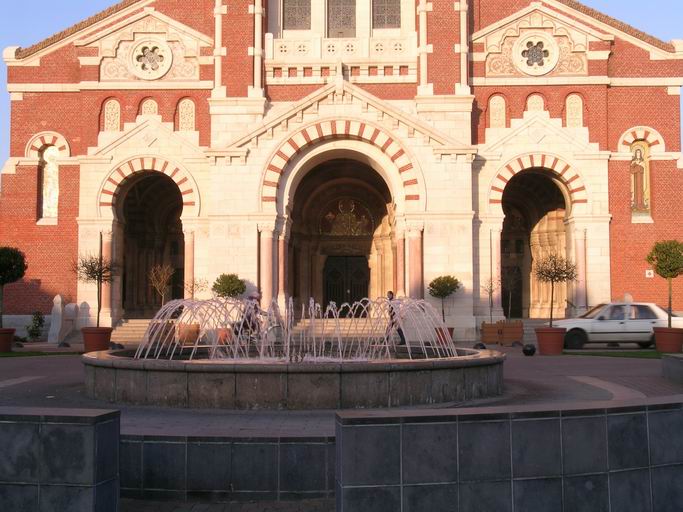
[{"x": 22, "y": 53}]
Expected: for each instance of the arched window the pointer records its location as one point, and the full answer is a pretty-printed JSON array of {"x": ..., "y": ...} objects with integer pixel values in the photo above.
[
  {"x": 497, "y": 112},
  {"x": 149, "y": 107},
  {"x": 186, "y": 115},
  {"x": 535, "y": 103},
  {"x": 341, "y": 18},
  {"x": 112, "y": 116},
  {"x": 49, "y": 183},
  {"x": 386, "y": 14},
  {"x": 574, "y": 111},
  {"x": 296, "y": 14}
]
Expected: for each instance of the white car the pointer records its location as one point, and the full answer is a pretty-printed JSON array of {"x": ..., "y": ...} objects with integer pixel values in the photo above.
[{"x": 617, "y": 322}]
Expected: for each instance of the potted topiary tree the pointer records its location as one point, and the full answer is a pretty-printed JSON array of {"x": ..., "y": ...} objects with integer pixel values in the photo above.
[
  {"x": 441, "y": 288},
  {"x": 12, "y": 268},
  {"x": 98, "y": 270},
  {"x": 229, "y": 286},
  {"x": 666, "y": 258},
  {"x": 553, "y": 269}
]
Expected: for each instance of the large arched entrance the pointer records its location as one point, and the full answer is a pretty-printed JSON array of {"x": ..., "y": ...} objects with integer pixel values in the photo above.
[
  {"x": 149, "y": 207},
  {"x": 535, "y": 210},
  {"x": 342, "y": 244}
]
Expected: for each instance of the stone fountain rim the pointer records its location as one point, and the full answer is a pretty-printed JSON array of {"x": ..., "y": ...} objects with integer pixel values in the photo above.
[{"x": 473, "y": 357}]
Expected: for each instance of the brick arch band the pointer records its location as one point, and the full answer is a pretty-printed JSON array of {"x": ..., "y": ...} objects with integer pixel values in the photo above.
[
  {"x": 339, "y": 129},
  {"x": 653, "y": 138},
  {"x": 109, "y": 193},
  {"x": 561, "y": 169},
  {"x": 42, "y": 139}
]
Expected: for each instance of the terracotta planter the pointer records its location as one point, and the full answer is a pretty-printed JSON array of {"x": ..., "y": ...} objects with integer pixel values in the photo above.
[
  {"x": 6, "y": 339},
  {"x": 668, "y": 340},
  {"x": 550, "y": 340},
  {"x": 443, "y": 336},
  {"x": 96, "y": 339},
  {"x": 224, "y": 335},
  {"x": 188, "y": 333}
]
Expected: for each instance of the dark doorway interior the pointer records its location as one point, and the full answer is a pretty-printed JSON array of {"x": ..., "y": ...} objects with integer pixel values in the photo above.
[{"x": 346, "y": 279}]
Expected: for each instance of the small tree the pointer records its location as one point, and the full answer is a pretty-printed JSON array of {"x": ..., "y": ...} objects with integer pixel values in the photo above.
[
  {"x": 12, "y": 268},
  {"x": 196, "y": 286},
  {"x": 229, "y": 285},
  {"x": 667, "y": 260},
  {"x": 554, "y": 269},
  {"x": 443, "y": 287},
  {"x": 489, "y": 288},
  {"x": 512, "y": 280},
  {"x": 160, "y": 277},
  {"x": 95, "y": 269}
]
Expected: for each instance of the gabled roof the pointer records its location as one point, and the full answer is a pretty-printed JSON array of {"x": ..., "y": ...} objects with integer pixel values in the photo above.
[
  {"x": 27, "y": 52},
  {"x": 619, "y": 25}
]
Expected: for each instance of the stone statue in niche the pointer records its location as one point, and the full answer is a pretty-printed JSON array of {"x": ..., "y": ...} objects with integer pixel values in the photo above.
[
  {"x": 50, "y": 184},
  {"x": 640, "y": 178}
]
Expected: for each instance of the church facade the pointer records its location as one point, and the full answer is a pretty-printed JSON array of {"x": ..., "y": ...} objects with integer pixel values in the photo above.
[{"x": 339, "y": 149}]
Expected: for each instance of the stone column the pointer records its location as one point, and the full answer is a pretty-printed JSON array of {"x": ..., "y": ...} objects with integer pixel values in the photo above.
[
  {"x": 416, "y": 270},
  {"x": 189, "y": 263},
  {"x": 283, "y": 270},
  {"x": 267, "y": 267},
  {"x": 424, "y": 49},
  {"x": 258, "y": 10},
  {"x": 496, "y": 268},
  {"x": 580, "y": 289},
  {"x": 106, "y": 256},
  {"x": 401, "y": 266}
]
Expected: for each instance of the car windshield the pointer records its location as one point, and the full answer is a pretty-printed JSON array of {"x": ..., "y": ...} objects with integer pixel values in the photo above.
[{"x": 593, "y": 312}]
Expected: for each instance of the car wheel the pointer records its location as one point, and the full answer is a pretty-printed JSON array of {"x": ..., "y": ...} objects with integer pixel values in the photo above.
[
  {"x": 647, "y": 344},
  {"x": 574, "y": 340}
]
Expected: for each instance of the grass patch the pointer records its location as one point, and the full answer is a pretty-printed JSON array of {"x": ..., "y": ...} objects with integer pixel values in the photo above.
[
  {"x": 37, "y": 354},
  {"x": 635, "y": 354}
]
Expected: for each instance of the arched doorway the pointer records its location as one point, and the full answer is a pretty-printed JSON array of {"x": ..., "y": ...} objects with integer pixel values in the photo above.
[
  {"x": 149, "y": 208},
  {"x": 342, "y": 237},
  {"x": 534, "y": 227}
]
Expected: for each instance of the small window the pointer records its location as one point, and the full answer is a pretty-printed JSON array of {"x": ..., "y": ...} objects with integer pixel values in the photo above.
[
  {"x": 386, "y": 14},
  {"x": 341, "y": 18},
  {"x": 296, "y": 14}
]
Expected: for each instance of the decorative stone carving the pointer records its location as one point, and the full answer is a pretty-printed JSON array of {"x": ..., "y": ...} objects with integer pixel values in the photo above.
[
  {"x": 151, "y": 59},
  {"x": 149, "y": 107},
  {"x": 497, "y": 112},
  {"x": 346, "y": 217},
  {"x": 50, "y": 183},
  {"x": 640, "y": 179},
  {"x": 574, "y": 110},
  {"x": 536, "y": 45},
  {"x": 535, "y": 103},
  {"x": 112, "y": 116},
  {"x": 186, "y": 115}
]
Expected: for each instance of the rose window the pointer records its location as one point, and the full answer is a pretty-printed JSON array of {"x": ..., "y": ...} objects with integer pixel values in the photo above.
[
  {"x": 535, "y": 54},
  {"x": 151, "y": 59}
]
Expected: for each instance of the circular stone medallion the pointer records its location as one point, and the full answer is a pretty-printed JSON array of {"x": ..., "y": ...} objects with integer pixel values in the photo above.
[
  {"x": 536, "y": 54},
  {"x": 151, "y": 59}
]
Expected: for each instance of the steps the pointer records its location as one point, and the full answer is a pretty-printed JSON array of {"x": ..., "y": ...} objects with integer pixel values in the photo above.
[
  {"x": 529, "y": 328},
  {"x": 129, "y": 332}
]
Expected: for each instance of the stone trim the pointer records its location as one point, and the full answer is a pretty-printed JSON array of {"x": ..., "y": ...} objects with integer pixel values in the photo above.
[
  {"x": 330, "y": 130},
  {"x": 649, "y": 135},
  {"x": 564, "y": 171},
  {"x": 109, "y": 193},
  {"x": 40, "y": 140}
]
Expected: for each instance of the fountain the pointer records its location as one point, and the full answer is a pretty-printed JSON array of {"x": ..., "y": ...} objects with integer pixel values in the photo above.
[{"x": 229, "y": 353}]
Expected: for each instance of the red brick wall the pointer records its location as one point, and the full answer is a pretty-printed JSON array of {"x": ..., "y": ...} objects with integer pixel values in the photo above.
[
  {"x": 443, "y": 34},
  {"x": 630, "y": 243},
  {"x": 238, "y": 36},
  {"x": 50, "y": 250}
]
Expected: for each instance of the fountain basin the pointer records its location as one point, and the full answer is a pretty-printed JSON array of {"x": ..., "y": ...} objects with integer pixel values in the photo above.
[{"x": 117, "y": 377}]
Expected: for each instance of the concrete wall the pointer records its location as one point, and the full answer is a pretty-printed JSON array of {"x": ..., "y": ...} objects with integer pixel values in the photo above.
[
  {"x": 59, "y": 460},
  {"x": 587, "y": 457}
]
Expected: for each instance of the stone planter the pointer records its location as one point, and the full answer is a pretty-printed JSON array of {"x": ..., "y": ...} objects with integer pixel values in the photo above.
[
  {"x": 550, "y": 340},
  {"x": 668, "y": 340},
  {"x": 6, "y": 339},
  {"x": 96, "y": 339}
]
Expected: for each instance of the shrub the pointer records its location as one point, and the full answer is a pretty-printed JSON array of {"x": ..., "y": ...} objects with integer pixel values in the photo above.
[
  {"x": 443, "y": 287},
  {"x": 229, "y": 285},
  {"x": 554, "y": 269},
  {"x": 666, "y": 259},
  {"x": 35, "y": 329},
  {"x": 12, "y": 268}
]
